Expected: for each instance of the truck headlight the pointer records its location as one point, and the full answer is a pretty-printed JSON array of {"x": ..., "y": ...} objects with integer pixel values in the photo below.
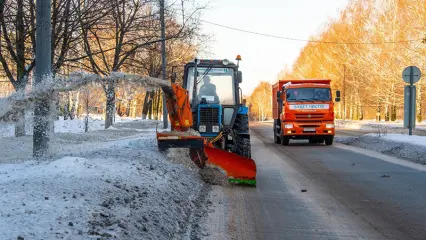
[
  {"x": 215, "y": 129},
  {"x": 202, "y": 128},
  {"x": 329, "y": 125},
  {"x": 289, "y": 125}
]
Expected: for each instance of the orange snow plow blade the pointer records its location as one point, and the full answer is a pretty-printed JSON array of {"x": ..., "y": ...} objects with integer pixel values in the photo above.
[{"x": 238, "y": 169}]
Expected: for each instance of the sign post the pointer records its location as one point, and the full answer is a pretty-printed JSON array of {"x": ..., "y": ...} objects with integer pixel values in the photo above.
[{"x": 410, "y": 75}]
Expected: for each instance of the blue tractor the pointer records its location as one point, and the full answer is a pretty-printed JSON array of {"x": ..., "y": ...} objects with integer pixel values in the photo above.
[{"x": 219, "y": 111}]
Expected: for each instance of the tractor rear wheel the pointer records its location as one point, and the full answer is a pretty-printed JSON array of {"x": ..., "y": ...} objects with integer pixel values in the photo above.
[{"x": 243, "y": 146}]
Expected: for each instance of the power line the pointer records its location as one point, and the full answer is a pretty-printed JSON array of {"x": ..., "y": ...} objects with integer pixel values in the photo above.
[{"x": 305, "y": 40}]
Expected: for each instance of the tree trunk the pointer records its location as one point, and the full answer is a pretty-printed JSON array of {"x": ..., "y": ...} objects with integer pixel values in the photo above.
[
  {"x": 393, "y": 113},
  {"x": 361, "y": 112},
  {"x": 86, "y": 120},
  {"x": 119, "y": 112},
  {"x": 387, "y": 117},
  {"x": 378, "y": 114},
  {"x": 150, "y": 104},
  {"x": 158, "y": 104},
  {"x": 150, "y": 107},
  {"x": 66, "y": 107},
  {"x": 128, "y": 108},
  {"x": 110, "y": 103},
  {"x": 76, "y": 104},
  {"x": 20, "y": 64},
  {"x": 146, "y": 103}
]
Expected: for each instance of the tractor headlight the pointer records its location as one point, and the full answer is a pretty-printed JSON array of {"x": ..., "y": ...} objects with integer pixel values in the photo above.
[
  {"x": 289, "y": 125},
  {"x": 225, "y": 62},
  {"x": 329, "y": 125},
  {"x": 202, "y": 128},
  {"x": 215, "y": 129}
]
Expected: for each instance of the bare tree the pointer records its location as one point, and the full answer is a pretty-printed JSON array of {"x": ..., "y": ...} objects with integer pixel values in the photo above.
[
  {"x": 110, "y": 43},
  {"x": 17, "y": 21}
]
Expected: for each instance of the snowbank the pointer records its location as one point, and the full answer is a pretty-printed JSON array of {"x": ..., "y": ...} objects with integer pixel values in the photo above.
[
  {"x": 374, "y": 125},
  {"x": 411, "y": 148},
  {"x": 123, "y": 189},
  {"x": 414, "y": 140}
]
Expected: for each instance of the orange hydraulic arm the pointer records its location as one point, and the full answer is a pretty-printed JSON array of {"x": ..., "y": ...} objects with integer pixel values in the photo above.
[
  {"x": 238, "y": 169},
  {"x": 177, "y": 102}
]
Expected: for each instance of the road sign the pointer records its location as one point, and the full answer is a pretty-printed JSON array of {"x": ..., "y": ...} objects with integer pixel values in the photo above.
[
  {"x": 411, "y": 75},
  {"x": 411, "y": 70},
  {"x": 409, "y": 91}
]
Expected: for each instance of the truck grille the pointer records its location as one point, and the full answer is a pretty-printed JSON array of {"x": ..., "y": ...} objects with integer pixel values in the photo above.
[
  {"x": 209, "y": 115},
  {"x": 309, "y": 118}
]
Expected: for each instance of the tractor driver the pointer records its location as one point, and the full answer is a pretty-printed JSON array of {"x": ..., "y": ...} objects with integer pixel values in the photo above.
[{"x": 208, "y": 89}]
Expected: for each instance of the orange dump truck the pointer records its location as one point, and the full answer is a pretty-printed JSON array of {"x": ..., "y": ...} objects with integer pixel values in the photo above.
[{"x": 303, "y": 109}]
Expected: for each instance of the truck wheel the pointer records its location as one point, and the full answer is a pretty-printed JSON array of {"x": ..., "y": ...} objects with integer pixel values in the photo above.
[
  {"x": 276, "y": 138},
  {"x": 284, "y": 140},
  {"x": 329, "y": 140}
]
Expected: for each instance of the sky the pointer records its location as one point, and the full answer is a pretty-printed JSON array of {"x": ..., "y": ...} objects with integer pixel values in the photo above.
[{"x": 263, "y": 57}]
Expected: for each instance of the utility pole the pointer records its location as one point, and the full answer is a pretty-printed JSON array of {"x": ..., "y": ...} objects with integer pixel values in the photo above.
[
  {"x": 43, "y": 72},
  {"x": 344, "y": 92},
  {"x": 163, "y": 60}
]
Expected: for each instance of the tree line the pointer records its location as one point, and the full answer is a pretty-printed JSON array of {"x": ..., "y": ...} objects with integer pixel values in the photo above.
[
  {"x": 101, "y": 37},
  {"x": 364, "y": 52}
]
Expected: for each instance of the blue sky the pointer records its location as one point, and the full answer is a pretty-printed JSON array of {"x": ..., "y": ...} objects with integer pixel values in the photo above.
[{"x": 263, "y": 57}]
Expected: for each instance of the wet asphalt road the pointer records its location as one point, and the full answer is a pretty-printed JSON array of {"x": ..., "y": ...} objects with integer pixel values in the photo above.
[{"x": 349, "y": 195}]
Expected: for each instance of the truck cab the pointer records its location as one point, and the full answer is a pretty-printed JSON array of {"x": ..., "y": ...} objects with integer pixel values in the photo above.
[{"x": 304, "y": 109}]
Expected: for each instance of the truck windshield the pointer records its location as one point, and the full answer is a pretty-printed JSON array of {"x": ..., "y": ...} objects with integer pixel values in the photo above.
[
  {"x": 216, "y": 85},
  {"x": 308, "y": 94}
]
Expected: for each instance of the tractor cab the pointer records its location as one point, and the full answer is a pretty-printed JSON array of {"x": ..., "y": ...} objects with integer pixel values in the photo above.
[
  {"x": 214, "y": 94},
  {"x": 211, "y": 94}
]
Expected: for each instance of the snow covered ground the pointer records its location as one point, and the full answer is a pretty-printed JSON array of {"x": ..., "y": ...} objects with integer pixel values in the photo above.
[
  {"x": 96, "y": 122},
  {"x": 373, "y": 125},
  {"x": 108, "y": 184},
  {"x": 410, "y": 148}
]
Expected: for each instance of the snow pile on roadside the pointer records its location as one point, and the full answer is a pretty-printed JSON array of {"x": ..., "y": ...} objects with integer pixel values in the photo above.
[
  {"x": 415, "y": 140},
  {"x": 129, "y": 191},
  {"x": 411, "y": 148},
  {"x": 374, "y": 125}
]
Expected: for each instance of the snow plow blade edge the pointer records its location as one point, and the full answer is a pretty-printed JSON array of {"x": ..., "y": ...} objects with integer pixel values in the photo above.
[{"x": 238, "y": 169}]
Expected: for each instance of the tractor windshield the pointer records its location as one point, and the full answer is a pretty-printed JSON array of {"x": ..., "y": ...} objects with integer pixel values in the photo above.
[
  {"x": 308, "y": 94},
  {"x": 216, "y": 85}
]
